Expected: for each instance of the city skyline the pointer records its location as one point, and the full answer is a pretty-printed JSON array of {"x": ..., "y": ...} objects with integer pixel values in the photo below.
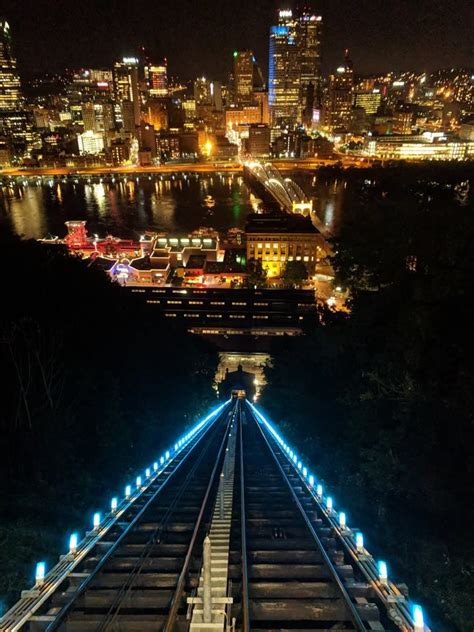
[{"x": 196, "y": 39}]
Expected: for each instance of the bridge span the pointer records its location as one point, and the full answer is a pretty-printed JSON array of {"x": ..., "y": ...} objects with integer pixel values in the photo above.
[
  {"x": 271, "y": 186},
  {"x": 226, "y": 530}
]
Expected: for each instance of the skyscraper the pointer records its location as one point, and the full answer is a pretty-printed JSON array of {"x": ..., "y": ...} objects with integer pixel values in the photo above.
[
  {"x": 284, "y": 71},
  {"x": 309, "y": 58},
  {"x": 10, "y": 96},
  {"x": 295, "y": 66},
  {"x": 126, "y": 88},
  {"x": 243, "y": 76},
  {"x": 15, "y": 123},
  {"x": 156, "y": 76},
  {"x": 338, "y": 105}
]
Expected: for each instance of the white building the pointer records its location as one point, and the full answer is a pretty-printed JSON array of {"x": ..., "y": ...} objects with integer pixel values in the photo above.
[{"x": 90, "y": 143}]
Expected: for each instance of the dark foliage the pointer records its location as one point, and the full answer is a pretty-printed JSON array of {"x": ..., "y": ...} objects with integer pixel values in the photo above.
[
  {"x": 382, "y": 400},
  {"x": 93, "y": 388}
]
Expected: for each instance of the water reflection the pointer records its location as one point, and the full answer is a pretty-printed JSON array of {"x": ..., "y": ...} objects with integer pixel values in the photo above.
[{"x": 126, "y": 206}]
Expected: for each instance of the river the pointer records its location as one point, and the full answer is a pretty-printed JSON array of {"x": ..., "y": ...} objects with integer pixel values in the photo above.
[{"x": 177, "y": 203}]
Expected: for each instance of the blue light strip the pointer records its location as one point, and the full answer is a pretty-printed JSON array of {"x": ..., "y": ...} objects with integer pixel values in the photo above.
[
  {"x": 354, "y": 542},
  {"x": 47, "y": 583}
]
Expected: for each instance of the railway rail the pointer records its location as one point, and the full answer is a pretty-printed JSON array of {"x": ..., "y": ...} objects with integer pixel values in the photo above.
[{"x": 228, "y": 530}]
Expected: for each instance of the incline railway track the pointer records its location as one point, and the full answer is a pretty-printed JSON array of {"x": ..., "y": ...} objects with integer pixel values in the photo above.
[{"x": 227, "y": 531}]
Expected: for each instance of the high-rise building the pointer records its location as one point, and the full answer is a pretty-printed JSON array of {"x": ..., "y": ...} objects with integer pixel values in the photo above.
[
  {"x": 207, "y": 92},
  {"x": 284, "y": 71},
  {"x": 339, "y": 98},
  {"x": 308, "y": 36},
  {"x": 126, "y": 87},
  {"x": 156, "y": 76},
  {"x": 10, "y": 95},
  {"x": 369, "y": 100},
  {"x": 16, "y": 125},
  {"x": 243, "y": 76}
]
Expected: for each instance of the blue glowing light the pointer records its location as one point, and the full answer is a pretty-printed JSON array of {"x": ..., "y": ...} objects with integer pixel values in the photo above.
[
  {"x": 342, "y": 520},
  {"x": 305, "y": 472},
  {"x": 418, "y": 618},
  {"x": 155, "y": 466},
  {"x": 311, "y": 480},
  {"x": 167, "y": 455},
  {"x": 360, "y": 542},
  {"x": 147, "y": 472},
  {"x": 113, "y": 504},
  {"x": 383, "y": 573},
  {"x": 138, "y": 482},
  {"x": 329, "y": 503},
  {"x": 162, "y": 460},
  {"x": 128, "y": 491},
  {"x": 96, "y": 520},
  {"x": 319, "y": 490},
  {"x": 40, "y": 572},
  {"x": 300, "y": 465},
  {"x": 73, "y": 539}
]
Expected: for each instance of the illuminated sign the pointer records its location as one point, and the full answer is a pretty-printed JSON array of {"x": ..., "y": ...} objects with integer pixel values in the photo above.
[
  {"x": 130, "y": 60},
  {"x": 102, "y": 84},
  {"x": 341, "y": 69},
  {"x": 285, "y": 13}
]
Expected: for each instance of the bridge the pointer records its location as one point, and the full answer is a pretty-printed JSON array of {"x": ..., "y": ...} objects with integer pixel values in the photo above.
[
  {"x": 227, "y": 530},
  {"x": 270, "y": 185}
]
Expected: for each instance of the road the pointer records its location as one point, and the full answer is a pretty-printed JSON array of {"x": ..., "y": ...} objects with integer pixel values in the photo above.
[{"x": 207, "y": 167}]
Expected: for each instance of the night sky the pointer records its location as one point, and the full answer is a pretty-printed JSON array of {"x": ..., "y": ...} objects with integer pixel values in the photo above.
[{"x": 198, "y": 36}]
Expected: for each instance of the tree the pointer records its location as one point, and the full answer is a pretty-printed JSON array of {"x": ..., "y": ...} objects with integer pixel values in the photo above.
[
  {"x": 295, "y": 273},
  {"x": 257, "y": 276}
]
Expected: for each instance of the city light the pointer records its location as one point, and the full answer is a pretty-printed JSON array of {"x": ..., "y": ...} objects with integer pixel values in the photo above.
[
  {"x": 73, "y": 539},
  {"x": 383, "y": 574},
  {"x": 40, "y": 573},
  {"x": 360, "y": 542},
  {"x": 418, "y": 618}
]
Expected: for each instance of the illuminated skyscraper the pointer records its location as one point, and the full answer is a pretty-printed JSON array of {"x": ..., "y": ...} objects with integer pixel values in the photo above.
[
  {"x": 339, "y": 99},
  {"x": 15, "y": 123},
  {"x": 243, "y": 76},
  {"x": 284, "y": 71},
  {"x": 295, "y": 66},
  {"x": 126, "y": 88},
  {"x": 156, "y": 76},
  {"x": 308, "y": 35},
  {"x": 10, "y": 96}
]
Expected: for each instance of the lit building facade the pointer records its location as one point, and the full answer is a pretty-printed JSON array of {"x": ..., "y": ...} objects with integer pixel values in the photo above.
[
  {"x": 422, "y": 147},
  {"x": 156, "y": 76},
  {"x": 273, "y": 239},
  {"x": 243, "y": 76},
  {"x": 339, "y": 97},
  {"x": 90, "y": 143},
  {"x": 294, "y": 67},
  {"x": 126, "y": 87},
  {"x": 308, "y": 35},
  {"x": 369, "y": 101},
  {"x": 10, "y": 94},
  {"x": 284, "y": 72}
]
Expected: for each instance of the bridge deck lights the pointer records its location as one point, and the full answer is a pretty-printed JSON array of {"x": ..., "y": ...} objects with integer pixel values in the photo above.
[
  {"x": 96, "y": 520},
  {"x": 73, "y": 543},
  {"x": 40, "y": 573}
]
